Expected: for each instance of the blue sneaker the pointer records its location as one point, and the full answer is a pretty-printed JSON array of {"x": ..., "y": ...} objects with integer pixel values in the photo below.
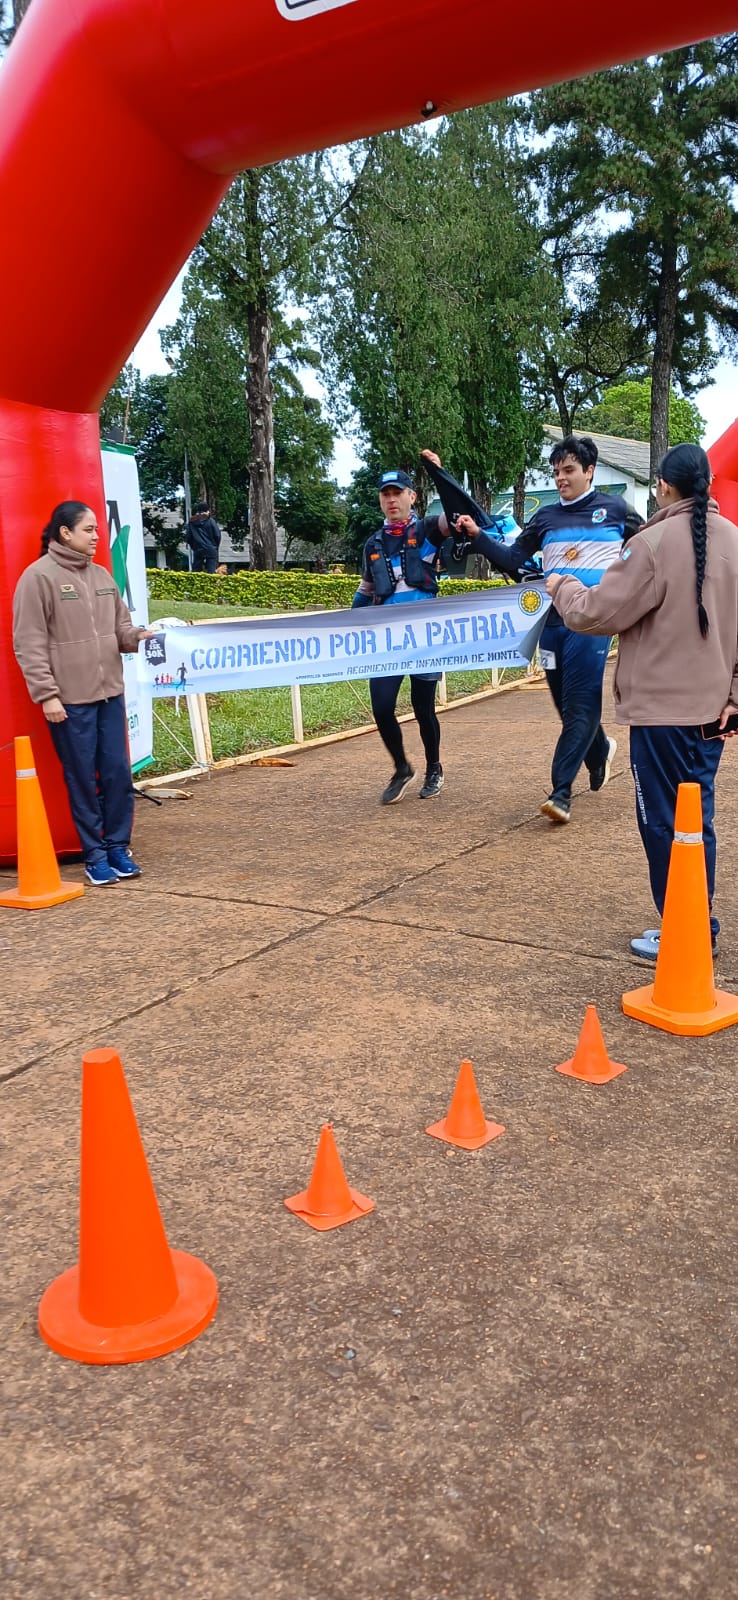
[
  {"x": 100, "y": 874},
  {"x": 122, "y": 864}
]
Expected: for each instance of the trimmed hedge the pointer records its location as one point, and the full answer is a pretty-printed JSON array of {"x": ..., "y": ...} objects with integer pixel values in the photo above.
[{"x": 277, "y": 591}]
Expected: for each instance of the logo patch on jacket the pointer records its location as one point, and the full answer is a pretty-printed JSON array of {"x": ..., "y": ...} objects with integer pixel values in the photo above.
[
  {"x": 110, "y": 589},
  {"x": 599, "y": 515},
  {"x": 68, "y": 591}
]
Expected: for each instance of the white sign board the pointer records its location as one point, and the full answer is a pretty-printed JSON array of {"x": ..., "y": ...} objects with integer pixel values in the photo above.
[{"x": 125, "y": 528}]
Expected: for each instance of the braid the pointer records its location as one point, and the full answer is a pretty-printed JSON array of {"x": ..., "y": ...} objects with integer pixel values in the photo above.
[
  {"x": 699, "y": 542},
  {"x": 687, "y": 468}
]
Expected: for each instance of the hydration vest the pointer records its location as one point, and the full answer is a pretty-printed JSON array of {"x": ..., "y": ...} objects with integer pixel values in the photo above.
[{"x": 415, "y": 571}]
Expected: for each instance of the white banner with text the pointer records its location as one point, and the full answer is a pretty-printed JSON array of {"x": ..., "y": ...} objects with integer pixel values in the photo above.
[{"x": 465, "y": 633}]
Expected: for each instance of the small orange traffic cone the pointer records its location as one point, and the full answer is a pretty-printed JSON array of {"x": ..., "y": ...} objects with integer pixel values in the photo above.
[
  {"x": 465, "y": 1123},
  {"x": 590, "y": 1061},
  {"x": 682, "y": 998},
  {"x": 131, "y": 1297},
  {"x": 328, "y": 1201},
  {"x": 39, "y": 882}
]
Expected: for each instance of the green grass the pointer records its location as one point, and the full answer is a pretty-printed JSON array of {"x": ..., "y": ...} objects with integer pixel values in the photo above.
[
  {"x": 259, "y": 719},
  {"x": 197, "y": 611}
]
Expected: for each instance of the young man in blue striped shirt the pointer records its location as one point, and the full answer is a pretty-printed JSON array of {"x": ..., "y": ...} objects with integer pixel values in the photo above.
[{"x": 579, "y": 537}]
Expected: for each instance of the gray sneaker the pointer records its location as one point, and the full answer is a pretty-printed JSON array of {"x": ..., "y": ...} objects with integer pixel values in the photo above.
[{"x": 647, "y": 947}]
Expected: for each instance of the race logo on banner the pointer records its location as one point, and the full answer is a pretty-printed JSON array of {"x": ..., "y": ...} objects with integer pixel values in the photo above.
[{"x": 466, "y": 633}]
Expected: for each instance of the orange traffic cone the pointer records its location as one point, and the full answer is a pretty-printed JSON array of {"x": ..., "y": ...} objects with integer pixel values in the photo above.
[
  {"x": 131, "y": 1297},
  {"x": 465, "y": 1123},
  {"x": 682, "y": 998},
  {"x": 328, "y": 1201},
  {"x": 590, "y": 1061},
  {"x": 39, "y": 882}
]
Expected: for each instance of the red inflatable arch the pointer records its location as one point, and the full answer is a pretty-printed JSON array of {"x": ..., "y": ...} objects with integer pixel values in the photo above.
[{"x": 121, "y": 125}]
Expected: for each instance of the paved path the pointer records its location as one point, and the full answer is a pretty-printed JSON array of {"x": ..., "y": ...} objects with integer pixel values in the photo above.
[{"x": 541, "y": 1400}]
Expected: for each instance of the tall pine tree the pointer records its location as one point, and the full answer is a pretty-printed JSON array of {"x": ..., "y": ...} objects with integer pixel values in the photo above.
[{"x": 651, "y": 147}]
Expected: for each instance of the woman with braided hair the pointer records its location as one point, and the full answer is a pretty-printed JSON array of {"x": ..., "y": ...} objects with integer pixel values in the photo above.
[{"x": 672, "y": 597}]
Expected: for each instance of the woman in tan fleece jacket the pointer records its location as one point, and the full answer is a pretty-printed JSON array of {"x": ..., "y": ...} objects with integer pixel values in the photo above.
[
  {"x": 672, "y": 597},
  {"x": 69, "y": 628}
]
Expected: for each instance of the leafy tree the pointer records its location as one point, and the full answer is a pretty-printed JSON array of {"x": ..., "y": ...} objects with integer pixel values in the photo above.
[
  {"x": 385, "y": 328},
  {"x": 498, "y": 290},
  {"x": 134, "y": 412},
  {"x": 307, "y": 502},
  {"x": 11, "y": 17},
  {"x": 625, "y": 410},
  {"x": 363, "y": 515},
  {"x": 265, "y": 244},
  {"x": 652, "y": 144},
  {"x": 434, "y": 291},
  {"x": 206, "y": 412}
]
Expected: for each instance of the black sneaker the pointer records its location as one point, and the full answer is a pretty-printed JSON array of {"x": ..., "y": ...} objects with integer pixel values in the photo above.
[
  {"x": 556, "y": 810},
  {"x": 395, "y": 790},
  {"x": 433, "y": 782}
]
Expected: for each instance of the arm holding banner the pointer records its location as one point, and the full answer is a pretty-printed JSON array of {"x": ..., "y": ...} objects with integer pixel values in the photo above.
[
  {"x": 484, "y": 533},
  {"x": 511, "y": 559}
]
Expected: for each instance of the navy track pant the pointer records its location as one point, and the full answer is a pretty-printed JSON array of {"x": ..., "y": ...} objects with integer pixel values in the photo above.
[
  {"x": 661, "y": 759},
  {"x": 93, "y": 751},
  {"x": 575, "y": 682}
]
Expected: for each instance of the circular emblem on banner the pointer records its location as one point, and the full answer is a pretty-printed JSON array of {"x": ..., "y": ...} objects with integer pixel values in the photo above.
[
  {"x": 530, "y": 602},
  {"x": 572, "y": 552}
]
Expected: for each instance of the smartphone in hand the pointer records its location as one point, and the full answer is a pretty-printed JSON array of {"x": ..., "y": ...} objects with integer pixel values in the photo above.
[{"x": 713, "y": 730}]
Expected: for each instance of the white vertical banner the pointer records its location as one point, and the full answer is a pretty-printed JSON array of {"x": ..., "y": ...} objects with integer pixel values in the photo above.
[{"x": 125, "y": 528}]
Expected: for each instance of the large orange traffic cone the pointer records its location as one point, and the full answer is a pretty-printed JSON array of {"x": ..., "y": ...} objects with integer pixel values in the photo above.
[
  {"x": 131, "y": 1297},
  {"x": 39, "y": 882},
  {"x": 682, "y": 998},
  {"x": 590, "y": 1061},
  {"x": 328, "y": 1201},
  {"x": 465, "y": 1123}
]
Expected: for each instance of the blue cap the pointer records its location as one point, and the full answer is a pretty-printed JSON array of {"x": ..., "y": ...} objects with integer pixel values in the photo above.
[{"x": 399, "y": 480}]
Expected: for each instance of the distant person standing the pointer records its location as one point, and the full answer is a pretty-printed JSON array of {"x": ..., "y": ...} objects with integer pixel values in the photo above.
[{"x": 202, "y": 534}]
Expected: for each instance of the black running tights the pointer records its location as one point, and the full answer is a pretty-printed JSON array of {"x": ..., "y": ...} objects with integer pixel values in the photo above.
[{"x": 384, "y": 692}]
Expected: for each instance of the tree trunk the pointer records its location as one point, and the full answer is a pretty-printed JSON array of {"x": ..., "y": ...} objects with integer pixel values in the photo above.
[
  {"x": 559, "y": 393},
  {"x": 480, "y": 492},
  {"x": 519, "y": 499},
  {"x": 663, "y": 352},
  {"x": 260, "y": 397}
]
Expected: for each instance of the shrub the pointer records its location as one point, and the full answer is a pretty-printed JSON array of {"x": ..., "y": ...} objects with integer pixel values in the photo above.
[{"x": 278, "y": 591}]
